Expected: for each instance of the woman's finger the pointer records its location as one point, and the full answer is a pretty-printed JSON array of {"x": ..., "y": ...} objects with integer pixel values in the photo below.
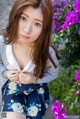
[{"x": 23, "y": 75}]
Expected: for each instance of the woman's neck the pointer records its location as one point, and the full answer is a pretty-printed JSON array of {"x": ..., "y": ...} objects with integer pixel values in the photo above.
[{"x": 23, "y": 48}]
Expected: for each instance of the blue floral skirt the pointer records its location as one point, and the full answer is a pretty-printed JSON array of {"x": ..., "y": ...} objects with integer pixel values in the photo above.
[{"x": 29, "y": 99}]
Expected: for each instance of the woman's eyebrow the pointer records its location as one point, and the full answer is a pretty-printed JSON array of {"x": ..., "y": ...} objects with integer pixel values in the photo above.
[{"x": 34, "y": 19}]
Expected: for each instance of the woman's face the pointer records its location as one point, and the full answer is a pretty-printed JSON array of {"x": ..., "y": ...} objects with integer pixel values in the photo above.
[{"x": 30, "y": 25}]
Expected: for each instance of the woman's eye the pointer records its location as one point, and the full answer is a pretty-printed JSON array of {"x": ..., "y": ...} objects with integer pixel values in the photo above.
[
  {"x": 37, "y": 24},
  {"x": 23, "y": 18}
]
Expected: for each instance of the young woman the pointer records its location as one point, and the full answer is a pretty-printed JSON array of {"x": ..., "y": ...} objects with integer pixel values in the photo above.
[{"x": 28, "y": 61}]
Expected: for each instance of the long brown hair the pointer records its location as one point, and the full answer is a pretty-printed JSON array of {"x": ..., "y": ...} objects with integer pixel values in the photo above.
[{"x": 41, "y": 48}]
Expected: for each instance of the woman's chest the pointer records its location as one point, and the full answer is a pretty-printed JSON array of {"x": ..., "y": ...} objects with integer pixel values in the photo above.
[
  {"x": 22, "y": 59},
  {"x": 19, "y": 59}
]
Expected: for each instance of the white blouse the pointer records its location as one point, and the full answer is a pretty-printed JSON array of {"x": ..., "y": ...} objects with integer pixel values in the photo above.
[{"x": 12, "y": 61}]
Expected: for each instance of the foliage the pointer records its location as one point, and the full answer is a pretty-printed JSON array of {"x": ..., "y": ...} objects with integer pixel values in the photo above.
[
  {"x": 66, "y": 28},
  {"x": 64, "y": 88}
]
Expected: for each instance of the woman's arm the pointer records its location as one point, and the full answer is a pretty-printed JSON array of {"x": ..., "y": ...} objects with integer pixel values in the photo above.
[
  {"x": 2, "y": 69},
  {"x": 50, "y": 72},
  {"x": 48, "y": 76},
  {"x": 2, "y": 66}
]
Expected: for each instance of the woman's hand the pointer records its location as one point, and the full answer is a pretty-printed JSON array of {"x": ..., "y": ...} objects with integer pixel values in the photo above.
[
  {"x": 12, "y": 74},
  {"x": 19, "y": 76},
  {"x": 26, "y": 77}
]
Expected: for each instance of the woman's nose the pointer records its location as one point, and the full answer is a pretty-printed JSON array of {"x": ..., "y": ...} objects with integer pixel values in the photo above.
[{"x": 28, "y": 28}]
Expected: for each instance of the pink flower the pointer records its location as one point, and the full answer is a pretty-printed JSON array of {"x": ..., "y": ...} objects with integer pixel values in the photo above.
[
  {"x": 56, "y": 107},
  {"x": 77, "y": 75},
  {"x": 77, "y": 92},
  {"x": 58, "y": 110}
]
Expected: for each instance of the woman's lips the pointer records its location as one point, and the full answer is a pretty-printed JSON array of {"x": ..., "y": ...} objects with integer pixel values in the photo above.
[{"x": 24, "y": 36}]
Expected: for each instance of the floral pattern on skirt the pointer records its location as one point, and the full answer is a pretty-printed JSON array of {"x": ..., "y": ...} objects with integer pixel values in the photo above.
[{"x": 29, "y": 99}]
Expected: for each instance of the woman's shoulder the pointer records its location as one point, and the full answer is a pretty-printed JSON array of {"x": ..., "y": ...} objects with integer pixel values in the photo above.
[{"x": 1, "y": 40}]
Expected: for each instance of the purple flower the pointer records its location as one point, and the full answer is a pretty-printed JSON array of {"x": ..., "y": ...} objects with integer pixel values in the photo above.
[
  {"x": 64, "y": 26},
  {"x": 61, "y": 115},
  {"x": 54, "y": 5},
  {"x": 65, "y": 3},
  {"x": 77, "y": 92},
  {"x": 59, "y": 9},
  {"x": 55, "y": 26},
  {"x": 76, "y": 5},
  {"x": 70, "y": 19},
  {"x": 56, "y": 107},
  {"x": 58, "y": 110},
  {"x": 77, "y": 75},
  {"x": 63, "y": 106}
]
